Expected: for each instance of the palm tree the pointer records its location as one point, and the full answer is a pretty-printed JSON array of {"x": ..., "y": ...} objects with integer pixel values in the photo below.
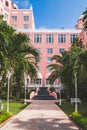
[
  {"x": 17, "y": 54},
  {"x": 85, "y": 19},
  {"x": 6, "y": 33},
  {"x": 78, "y": 43},
  {"x": 55, "y": 68},
  {"x": 72, "y": 61},
  {"x": 62, "y": 70},
  {"x": 24, "y": 61}
]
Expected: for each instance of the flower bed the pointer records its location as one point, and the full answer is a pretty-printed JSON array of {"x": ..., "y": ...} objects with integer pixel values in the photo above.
[{"x": 79, "y": 119}]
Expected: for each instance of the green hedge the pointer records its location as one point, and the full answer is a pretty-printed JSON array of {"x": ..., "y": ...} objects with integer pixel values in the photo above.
[
  {"x": 52, "y": 89},
  {"x": 79, "y": 119},
  {"x": 4, "y": 116}
]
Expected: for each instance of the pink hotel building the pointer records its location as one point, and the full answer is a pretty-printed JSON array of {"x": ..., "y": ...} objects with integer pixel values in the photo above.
[{"x": 48, "y": 42}]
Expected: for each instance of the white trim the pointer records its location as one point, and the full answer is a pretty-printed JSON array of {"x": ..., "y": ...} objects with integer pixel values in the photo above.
[
  {"x": 26, "y": 12},
  {"x": 14, "y": 12},
  {"x": 49, "y": 30}
]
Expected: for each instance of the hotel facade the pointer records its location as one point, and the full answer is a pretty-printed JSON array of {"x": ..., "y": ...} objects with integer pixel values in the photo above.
[{"x": 48, "y": 42}]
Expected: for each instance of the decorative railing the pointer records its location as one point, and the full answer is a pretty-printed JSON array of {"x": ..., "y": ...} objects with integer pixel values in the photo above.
[
  {"x": 34, "y": 85},
  {"x": 40, "y": 85}
]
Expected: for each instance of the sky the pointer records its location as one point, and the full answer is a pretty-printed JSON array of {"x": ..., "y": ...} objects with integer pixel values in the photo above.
[{"x": 54, "y": 13}]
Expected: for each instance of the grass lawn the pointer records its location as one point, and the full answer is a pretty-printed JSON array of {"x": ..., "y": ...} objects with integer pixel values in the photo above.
[
  {"x": 15, "y": 107},
  {"x": 69, "y": 108}
]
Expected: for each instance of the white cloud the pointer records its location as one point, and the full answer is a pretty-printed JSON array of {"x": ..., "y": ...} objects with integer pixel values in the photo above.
[{"x": 22, "y": 4}]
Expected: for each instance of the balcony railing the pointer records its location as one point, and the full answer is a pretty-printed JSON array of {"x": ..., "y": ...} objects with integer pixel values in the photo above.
[
  {"x": 40, "y": 85},
  {"x": 34, "y": 85},
  {"x": 54, "y": 85}
]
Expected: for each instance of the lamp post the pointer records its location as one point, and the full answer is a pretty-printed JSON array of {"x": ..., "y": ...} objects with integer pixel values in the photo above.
[
  {"x": 60, "y": 103},
  {"x": 25, "y": 88},
  {"x": 76, "y": 104},
  {"x": 8, "y": 76}
]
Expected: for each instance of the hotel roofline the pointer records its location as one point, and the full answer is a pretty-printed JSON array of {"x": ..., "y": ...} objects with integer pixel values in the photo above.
[{"x": 50, "y": 30}]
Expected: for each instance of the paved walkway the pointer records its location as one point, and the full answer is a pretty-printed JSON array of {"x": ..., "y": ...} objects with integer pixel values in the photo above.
[{"x": 40, "y": 115}]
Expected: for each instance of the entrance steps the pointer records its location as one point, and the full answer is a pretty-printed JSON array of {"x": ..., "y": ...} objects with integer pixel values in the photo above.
[{"x": 43, "y": 94}]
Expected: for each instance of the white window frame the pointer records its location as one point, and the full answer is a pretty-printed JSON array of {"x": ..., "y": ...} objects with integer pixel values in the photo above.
[
  {"x": 37, "y": 38},
  {"x": 73, "y": 37},
  {"x": 49, "y": 50},
  {"x": 14, "y": 18},
  {"x": 6, "y": 16},
  {"x": 61, "y": 38},
  {"x": 26, "y": 26},
  {"x": 49, "y": 38},
  {"x": 39, "y": 50},
  {"x": 38, "y": 81},
  {"x": 47, "y": 81},
  {"x": 49, "y": 59},
  {"x": 61, "y": 50},
  {"x": 14, "y": 26},
  {"x": 26, "y": 18}
]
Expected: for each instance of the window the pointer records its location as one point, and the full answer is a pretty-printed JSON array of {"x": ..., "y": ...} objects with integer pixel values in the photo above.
[
  {"x": 28, "y": 35},
  {"x": 73, "y": 37},
  {"x": 37, "y": 38},
  {"x": 49, "y": 59},
  {"x": 39, "y": 50},
  {"x": 14, "y": 18},
  {"x": 37, "y": 81},
  {"x": 14, "y": 26},
  {"x": 6, "y": 16},
  {"x": 25, "y": 26},
  {"x": 61, "y": 38},
  {"x": 49, "y": 38},
  {"x": 1, "y": 12},
  {"x": 49, "y": 69},
  {"x": 26, "y": 18},
  {"x": 47, "y": 81},
  {"x": 49, "y": 50},
  {"x": 27, "y": 80},
  {"x": 38, "y": 68},
  {"x": 61, "y": 50}
]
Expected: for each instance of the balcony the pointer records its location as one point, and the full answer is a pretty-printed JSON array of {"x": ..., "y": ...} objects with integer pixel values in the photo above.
[
  {"x": 34, "y": 85},
  {"x": 54, "y": 85},
  {"x": 40, "y": 85}
]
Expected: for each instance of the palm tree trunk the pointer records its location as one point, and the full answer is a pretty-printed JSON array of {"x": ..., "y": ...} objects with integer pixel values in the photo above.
[
  {"x": 2, "y": 81},
  {"x": 11, "y": 86},
  {"x": 18, "y": 89}
]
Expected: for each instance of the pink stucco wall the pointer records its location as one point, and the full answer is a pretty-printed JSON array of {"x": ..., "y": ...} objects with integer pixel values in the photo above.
[
  {"x": 20, "y": 21},
  {"x": 55, "y": 46},
  {"x": 13, "y": 10}
]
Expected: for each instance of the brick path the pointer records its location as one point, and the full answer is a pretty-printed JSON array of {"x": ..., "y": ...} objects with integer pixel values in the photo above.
[{"x": 40, "y": 115}]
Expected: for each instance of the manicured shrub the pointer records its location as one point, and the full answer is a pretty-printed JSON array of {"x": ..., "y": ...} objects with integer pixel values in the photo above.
[
  {"x": 52, "y": 89},
  {"x": 4, "y": 116},
  {"x": 76, "y": 115},
  {"x": 79, "y": 119}
]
